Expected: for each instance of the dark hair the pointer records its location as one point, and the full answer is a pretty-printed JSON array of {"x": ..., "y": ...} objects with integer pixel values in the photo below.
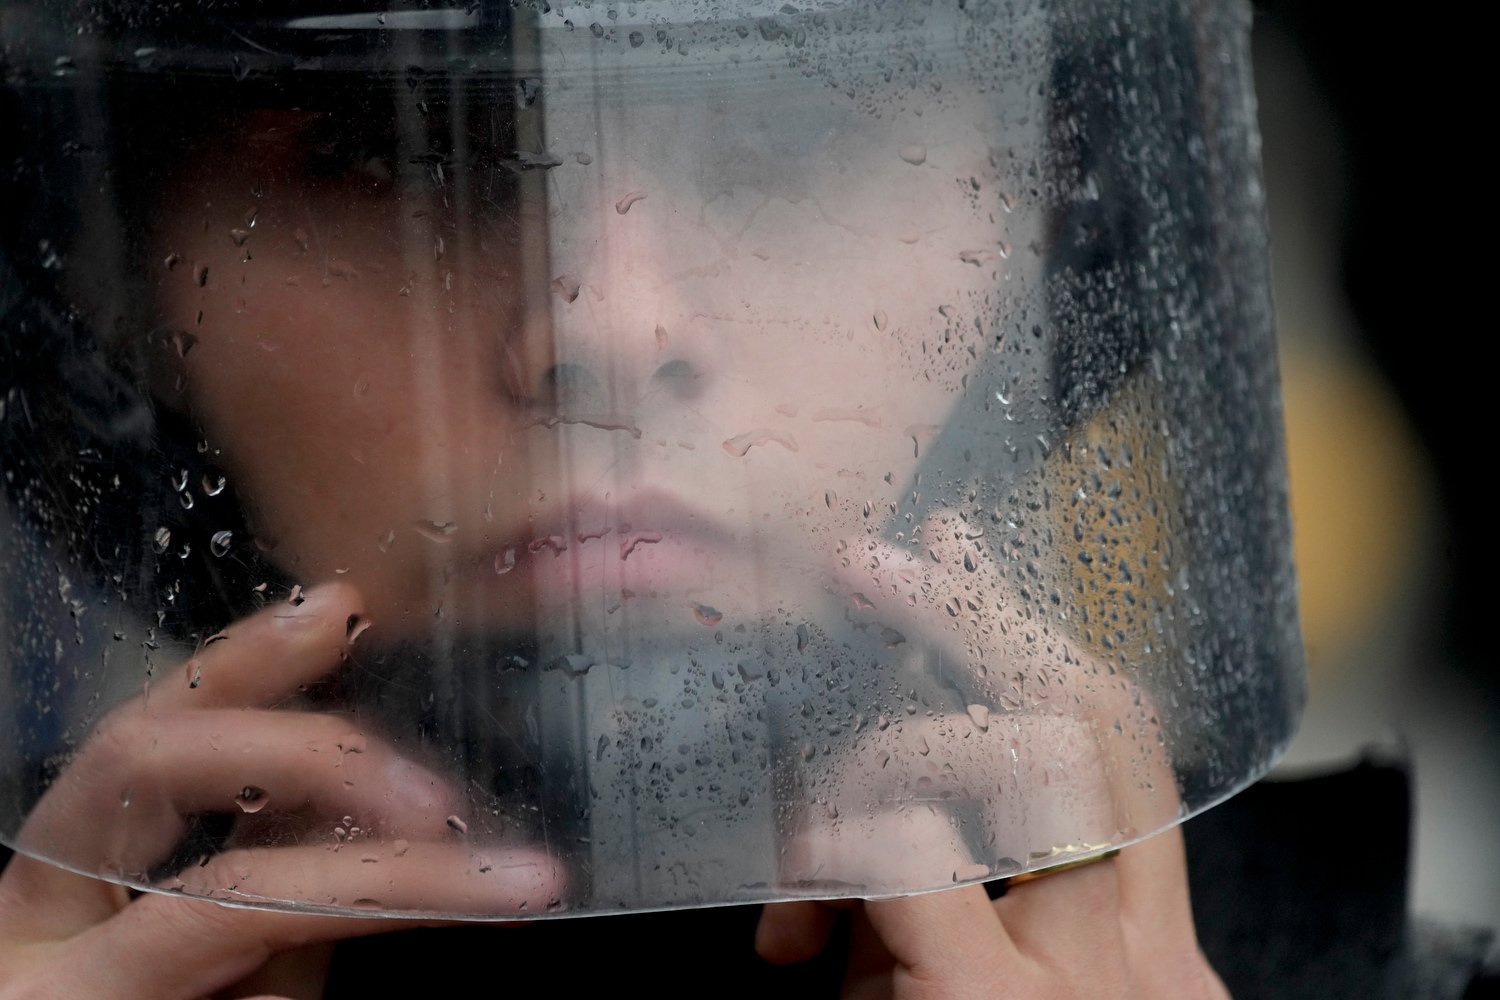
[{"x": 100, "y": 465}]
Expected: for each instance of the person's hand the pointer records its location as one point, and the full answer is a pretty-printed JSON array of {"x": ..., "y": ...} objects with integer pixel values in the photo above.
[
  {"x": 1061, "y": 772},
  {"x": 199, "y": 740},
  {"x": 1120, "y": 928}
]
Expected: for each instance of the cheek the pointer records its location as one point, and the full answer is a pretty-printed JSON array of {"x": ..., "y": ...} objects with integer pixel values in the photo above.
[{"x": 336, "y": 384}]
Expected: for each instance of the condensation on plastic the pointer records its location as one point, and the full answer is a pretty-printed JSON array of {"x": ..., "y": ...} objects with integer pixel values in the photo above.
[{"x": 559, "y": 460}]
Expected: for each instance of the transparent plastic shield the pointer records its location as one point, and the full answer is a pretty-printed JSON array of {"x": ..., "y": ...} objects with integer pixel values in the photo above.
[{"x": 560, "y": 460}]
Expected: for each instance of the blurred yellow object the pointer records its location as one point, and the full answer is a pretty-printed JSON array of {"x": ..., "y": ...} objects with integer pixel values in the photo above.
[{"x": 1359, "y": 498}]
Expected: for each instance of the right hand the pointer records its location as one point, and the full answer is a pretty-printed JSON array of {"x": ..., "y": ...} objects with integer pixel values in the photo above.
[{"x": 192, "y": 744}]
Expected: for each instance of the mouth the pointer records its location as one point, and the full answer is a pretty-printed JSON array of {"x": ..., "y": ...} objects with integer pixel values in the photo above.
[{"x": 647, "y": 543}]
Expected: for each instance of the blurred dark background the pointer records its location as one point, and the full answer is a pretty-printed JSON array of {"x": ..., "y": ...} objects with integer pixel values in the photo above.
[{"x": 1377, "y": 206}]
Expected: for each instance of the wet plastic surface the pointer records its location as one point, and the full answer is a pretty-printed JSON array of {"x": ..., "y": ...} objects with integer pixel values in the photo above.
[{"x": 571, "y": 460}]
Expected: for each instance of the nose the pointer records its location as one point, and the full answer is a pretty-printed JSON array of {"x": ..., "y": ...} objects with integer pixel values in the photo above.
[{"x": 614, "y": 326}]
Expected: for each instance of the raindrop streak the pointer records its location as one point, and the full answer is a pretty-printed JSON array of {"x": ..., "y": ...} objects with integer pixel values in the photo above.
[
  {"x": 707, "y": 615},
  {"x": 220, "y": 544},
  {"x": 740, "y": 445},
  {"x": 623, "y": 205},
  {"x": 251, "y": 799},
  {"x": 915, "y": 154}
]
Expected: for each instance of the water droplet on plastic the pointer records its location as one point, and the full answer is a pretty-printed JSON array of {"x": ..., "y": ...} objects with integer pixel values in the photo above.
[
  {"x": 980, "y": 716},
  {"x": 582, "y": 159},
  {"x": 161, "y": 540},
  {"x": 239, "y": 236},
  {"x": 457, "y": 825},
  {"x": 953, "y": 607},
  {"x": 220, "y": 544},
  {"x": 623, "y": 205},
  {"x": 915, "y": 154},
  {"x": 801, "y": 637},
  {"x": 186, "y": 499},
  {"x": 891, "y": 638},
  {"x": 213, "y": 485},
  {"x": 740, "y": 445},
  {"x": 505, "y": 561},
  {"x": 200, "y": 275},
  {"x": 969, "y": 563},
  {"x": 637, "y": 539},
  {"x": 251, "y": 799},
  {"x": 707, "y": 615},
  {"x": 881, "y": 320},
  {"x": 439, "y": 532},
  {"x": 172, "y": 260},
  {"x": 808, "y": 751},
  {"x": 922, "y": 747},
  {"x": 861, "y": 602},
  {"x": 661, "y": 337},
  {"x": 566, "y": 286}
]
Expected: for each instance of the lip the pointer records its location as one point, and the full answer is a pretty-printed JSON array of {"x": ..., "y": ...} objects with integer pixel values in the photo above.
[{"x": 648, "y": 540}]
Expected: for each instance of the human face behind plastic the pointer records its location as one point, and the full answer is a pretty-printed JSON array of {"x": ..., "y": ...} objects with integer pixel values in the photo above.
[{"x": 688, "y": 363}]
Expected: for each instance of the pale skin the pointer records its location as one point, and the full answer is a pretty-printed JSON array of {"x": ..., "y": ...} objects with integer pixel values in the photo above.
[{"x": 258, "y": 377}]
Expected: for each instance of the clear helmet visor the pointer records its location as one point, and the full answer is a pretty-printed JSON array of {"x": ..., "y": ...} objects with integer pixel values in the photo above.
[{"x": 562, "y": 460}]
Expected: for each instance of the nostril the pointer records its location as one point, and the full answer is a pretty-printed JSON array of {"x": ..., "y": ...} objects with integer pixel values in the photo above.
[
  {"x": 568, "y": 387},
  {"x": 679, "y": 377}
]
